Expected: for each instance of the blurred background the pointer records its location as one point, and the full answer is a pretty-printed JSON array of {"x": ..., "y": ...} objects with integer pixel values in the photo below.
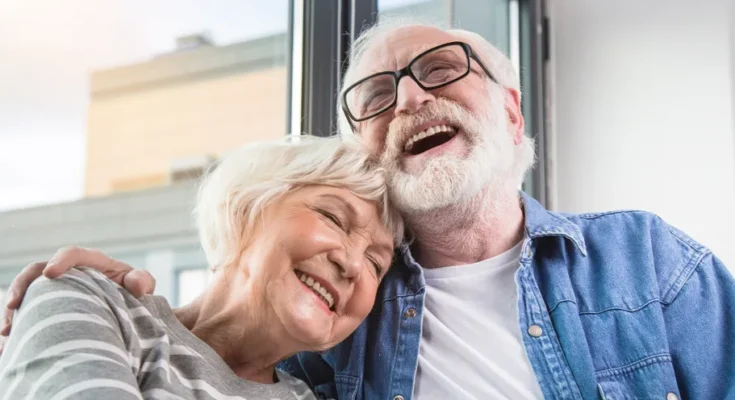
[{"x": 110, "y": 110}]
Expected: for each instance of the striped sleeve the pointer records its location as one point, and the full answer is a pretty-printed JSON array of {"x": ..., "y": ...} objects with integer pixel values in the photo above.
[{"x": 67, "y": 343}]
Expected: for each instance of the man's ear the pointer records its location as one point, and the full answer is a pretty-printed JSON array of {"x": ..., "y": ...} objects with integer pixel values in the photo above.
[{"x": 515, "y": 116}]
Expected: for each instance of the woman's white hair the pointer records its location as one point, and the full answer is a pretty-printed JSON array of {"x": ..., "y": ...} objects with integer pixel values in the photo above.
[{"x": 233, "y": 195}]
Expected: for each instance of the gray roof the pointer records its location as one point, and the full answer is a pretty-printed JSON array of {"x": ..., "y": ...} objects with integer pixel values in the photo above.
[{"x": 203, "y": 62}]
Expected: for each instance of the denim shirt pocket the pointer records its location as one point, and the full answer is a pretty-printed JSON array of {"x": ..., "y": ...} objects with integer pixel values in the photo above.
[
  {"x": 629, "y": 348},
  {"x": 650, "y": 378},
  {"x": 344, "y": 387}
]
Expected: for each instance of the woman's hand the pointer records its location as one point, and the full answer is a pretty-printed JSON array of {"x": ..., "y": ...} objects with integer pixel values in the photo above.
[{"x": 136, "y": 281}]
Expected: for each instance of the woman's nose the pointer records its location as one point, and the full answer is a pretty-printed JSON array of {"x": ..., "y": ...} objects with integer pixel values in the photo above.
[{"x": 349, "y": 263}]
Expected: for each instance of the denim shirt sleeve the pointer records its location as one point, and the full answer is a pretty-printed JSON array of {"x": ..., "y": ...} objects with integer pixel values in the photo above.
[{"x": 700, "y": 324}]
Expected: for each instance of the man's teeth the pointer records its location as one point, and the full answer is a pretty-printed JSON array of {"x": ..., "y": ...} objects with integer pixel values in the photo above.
[
  {"x": 429, "y": 132},
  {"x": 317, "y": 288}
]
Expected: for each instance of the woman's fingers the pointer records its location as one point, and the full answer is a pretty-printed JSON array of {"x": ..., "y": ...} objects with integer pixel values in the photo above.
[
  {"x": 139, "y": 282},
  {"x": 21, "y": 282}
]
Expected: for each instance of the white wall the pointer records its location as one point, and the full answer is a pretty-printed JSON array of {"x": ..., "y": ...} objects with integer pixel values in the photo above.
[
  {"x": 643, "y": 112},
  {"x": 732, "y": 56}
]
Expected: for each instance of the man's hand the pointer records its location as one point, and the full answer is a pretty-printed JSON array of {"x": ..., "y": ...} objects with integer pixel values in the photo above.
[{"x": 136, "y": 281}]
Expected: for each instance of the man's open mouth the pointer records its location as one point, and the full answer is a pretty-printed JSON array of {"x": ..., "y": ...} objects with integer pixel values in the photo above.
[
  {"x": 325, "y": 295},
  {"x": 429, "y": 138}
]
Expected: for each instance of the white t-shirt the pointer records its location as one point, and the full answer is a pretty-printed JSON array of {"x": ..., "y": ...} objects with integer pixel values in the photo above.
[{"x": 471, "y": 345}]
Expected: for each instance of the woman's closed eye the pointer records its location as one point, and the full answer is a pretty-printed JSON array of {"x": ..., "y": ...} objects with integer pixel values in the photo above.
[
  {"x": 331, "y": 217},
  {"x": 377, "y": 266}
]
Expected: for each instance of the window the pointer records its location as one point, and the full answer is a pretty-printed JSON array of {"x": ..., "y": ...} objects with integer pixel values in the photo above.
[
  {"x": 109, "y": 109},
  {"x": 109, "y": 97},
  {"x": 431, "y": 10},
  {"x": 489, "y": 18}
]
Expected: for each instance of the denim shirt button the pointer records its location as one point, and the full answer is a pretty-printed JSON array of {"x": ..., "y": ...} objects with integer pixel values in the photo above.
[
  {"x": 410, "y": 313},
  {"x": 536, "y": 331},
  {"x": 399, "y": 397},
  {"x": 672, "y": 396}
]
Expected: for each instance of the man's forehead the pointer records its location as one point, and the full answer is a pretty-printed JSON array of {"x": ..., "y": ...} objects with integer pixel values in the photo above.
[{"x": 396, "y": 48}]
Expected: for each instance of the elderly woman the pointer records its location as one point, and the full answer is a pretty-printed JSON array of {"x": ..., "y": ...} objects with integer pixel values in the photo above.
[{"x": 299, "y": 235}]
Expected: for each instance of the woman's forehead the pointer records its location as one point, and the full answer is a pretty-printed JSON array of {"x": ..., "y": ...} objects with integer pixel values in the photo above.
[
  {"x": 365, "y": 212},
  {"x": 359, "y": 207}
]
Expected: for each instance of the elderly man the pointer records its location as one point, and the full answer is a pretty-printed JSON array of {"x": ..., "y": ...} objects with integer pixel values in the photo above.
[{"x": 495, "y": 297}]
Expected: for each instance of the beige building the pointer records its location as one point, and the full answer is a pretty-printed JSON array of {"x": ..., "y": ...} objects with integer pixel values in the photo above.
[{"x": 151, "y": 122}]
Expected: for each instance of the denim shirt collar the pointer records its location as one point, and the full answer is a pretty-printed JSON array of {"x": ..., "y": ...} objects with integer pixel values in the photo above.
[{"x": 541, "y": 223}]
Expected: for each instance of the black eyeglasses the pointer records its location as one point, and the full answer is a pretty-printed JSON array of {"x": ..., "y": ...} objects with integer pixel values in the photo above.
[{"x": 437, "y": 67}]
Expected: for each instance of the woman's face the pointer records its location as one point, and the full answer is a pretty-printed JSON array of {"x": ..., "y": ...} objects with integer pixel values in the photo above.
[{"x": 316, "y": 260}]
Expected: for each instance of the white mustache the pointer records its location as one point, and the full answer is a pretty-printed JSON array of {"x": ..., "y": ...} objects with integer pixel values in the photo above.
[{"x": 403, "y": 126}]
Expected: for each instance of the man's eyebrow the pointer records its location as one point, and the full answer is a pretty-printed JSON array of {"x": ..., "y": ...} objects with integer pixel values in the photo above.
[
  {"x": 420, "y": 50},
  {"x": 415, "y": 52}
]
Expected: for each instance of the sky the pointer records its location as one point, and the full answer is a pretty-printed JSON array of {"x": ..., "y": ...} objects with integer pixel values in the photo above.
[{"x": 48, "y": 48}]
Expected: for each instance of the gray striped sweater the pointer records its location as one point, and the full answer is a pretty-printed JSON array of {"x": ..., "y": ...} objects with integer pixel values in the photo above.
[{"x": 83, "y": 337}]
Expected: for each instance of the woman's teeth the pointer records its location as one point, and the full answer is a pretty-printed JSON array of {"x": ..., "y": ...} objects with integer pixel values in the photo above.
[{"x": 317, "y": 288}]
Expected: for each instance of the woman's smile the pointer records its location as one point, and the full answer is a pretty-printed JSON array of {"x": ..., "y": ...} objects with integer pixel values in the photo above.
[{"x": 320, "y": 288}]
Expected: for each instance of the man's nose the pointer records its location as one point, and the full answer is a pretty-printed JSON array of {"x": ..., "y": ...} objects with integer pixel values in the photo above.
[
  {"x": 410, "y": 97},
  {"x": 349, "y": 263}
]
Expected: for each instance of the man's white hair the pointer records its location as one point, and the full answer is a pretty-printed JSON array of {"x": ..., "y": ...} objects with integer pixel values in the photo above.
[
  {"x": 497, "y": 63},
  {"x": 233, "y": 195}
]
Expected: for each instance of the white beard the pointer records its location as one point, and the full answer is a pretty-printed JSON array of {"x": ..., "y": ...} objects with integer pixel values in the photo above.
[{"x": 448, "y": 179}]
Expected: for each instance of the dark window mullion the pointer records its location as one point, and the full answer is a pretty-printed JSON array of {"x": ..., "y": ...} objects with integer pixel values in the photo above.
[
  {"x": 534, "y": 55},
  {"x": 323, "y": 58}
]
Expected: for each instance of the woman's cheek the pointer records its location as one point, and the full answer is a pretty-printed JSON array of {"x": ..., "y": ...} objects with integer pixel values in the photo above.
[
  {"x": 363, "y": 297},
  {"x": 308, "y": 243}
]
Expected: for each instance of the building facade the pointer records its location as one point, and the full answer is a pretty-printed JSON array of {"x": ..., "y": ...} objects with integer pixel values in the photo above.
[{"x": 148, "y": 121}]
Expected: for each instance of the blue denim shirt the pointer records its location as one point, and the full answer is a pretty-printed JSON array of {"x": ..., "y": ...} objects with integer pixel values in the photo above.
[{"x": 629, "y": 307}]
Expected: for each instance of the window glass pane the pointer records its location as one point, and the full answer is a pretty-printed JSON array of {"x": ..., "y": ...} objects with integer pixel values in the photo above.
[
  {"x": 438, "y": 11},
  {"x": 489, "y": 18},
  {"x": 108, "y": 109},
  {"x": 119, "y": 95},
  {"x": 190, "y": 284}
]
